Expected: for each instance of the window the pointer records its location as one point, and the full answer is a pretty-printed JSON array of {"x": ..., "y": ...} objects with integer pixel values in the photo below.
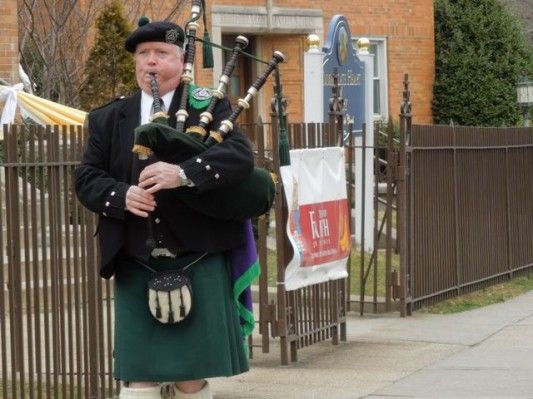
[{"x": 378, "y": 47}]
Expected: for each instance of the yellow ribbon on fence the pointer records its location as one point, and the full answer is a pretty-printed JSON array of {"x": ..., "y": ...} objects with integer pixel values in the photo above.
[
  {"x": 49, "y": 112},
  {"x": 42, "y": 111}
]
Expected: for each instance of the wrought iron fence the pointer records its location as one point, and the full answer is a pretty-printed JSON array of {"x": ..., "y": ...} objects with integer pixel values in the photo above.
[
  {"x": 56, "y": 328},
  {"x": 470, "y": 219},
  {"x": 55, "y": 313},
  {"x": 464, "y": 221}
]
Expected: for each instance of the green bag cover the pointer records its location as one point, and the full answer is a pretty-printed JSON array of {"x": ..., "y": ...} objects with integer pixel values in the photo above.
[
  {"x": 251, "y": 198},
  {"x": 167, "y": 143}
]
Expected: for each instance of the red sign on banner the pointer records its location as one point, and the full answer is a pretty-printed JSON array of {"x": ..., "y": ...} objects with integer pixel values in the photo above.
[{"x": 321, "y": 231}]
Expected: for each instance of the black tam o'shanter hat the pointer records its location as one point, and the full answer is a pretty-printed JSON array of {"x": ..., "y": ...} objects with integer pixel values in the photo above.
[{"x": 157, "y": 31}]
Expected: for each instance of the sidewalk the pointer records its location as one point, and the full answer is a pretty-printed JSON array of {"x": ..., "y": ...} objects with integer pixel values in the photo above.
[{"x": 483, "y": 353}]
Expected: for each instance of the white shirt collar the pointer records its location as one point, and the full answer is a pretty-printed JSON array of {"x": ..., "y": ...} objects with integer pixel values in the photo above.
[{"x": 146, "y": 104}]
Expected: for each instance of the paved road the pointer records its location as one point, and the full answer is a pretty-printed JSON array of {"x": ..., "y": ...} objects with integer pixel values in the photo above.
[{"x": 483, "y": 353}]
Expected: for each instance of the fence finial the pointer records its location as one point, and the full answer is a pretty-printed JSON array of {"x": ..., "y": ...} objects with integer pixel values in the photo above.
[
  {"x": 337, "y": 105},
  {"x": 405, "y": 107}
]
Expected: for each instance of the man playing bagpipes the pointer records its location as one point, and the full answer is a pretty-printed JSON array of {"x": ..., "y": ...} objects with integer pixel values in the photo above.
[{"x": 149, "y": 224}]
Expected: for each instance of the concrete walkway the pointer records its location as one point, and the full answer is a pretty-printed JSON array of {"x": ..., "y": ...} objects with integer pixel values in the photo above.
[{"x": 483, "y": 353}]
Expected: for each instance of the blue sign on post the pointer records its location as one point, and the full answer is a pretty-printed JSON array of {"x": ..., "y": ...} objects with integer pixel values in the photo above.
[{"x": 340, "y": 55}]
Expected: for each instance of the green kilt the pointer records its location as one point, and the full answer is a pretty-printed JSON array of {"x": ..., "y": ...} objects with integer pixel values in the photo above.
[{"x": 208, "y": 343}]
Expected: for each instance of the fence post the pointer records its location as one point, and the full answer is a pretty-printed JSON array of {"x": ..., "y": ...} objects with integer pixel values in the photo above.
[
  {"x": 336, "y": 117},
  {"x": 363, "y": 221},
  {"x": 458, "y": 267},
  {"x": 280, "y": 325},
  {"x": 403, "y": 203},
  {"x": 350, "y": 191},
  {"x": 92, "y": 319},
  {"x": 391, "y": 160},
  {"x": 263, "y": 222},
  {"x": 345, "y": 297},
  {"x": 14, "y": 259}
]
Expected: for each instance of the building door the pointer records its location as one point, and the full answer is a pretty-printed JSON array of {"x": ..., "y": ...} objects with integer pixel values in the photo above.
[{"x": 242, "y": 77}]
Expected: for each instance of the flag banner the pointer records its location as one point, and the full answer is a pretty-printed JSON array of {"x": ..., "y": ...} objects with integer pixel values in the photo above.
[{"x": 318, "y": 224}]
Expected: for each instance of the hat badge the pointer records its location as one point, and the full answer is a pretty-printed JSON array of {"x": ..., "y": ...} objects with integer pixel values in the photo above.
[{"x": 171, "y": 36}]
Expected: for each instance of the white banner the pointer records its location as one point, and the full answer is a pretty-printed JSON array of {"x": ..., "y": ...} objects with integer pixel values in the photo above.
[{"x": 318, "y": 225}]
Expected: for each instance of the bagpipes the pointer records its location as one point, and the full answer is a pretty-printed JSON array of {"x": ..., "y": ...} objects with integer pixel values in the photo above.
[{"x": 252, "y": 197}]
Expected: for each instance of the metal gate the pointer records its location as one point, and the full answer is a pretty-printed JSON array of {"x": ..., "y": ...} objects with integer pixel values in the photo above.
[{"x": 318, "y": 312}]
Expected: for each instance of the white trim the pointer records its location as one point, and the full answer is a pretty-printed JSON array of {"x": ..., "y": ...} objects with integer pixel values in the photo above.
[
  {"x": 261, "y": 20},
  {"x": 382, "y": 65}
]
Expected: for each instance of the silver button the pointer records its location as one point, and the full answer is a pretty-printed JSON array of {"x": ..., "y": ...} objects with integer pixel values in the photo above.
[
  {"x": 157, "y": 220},
  {"x": 207, "y": 167},
  {"x": 217, "y": 176},
  {"x": 104, "y": 214},
  {"x": 199, "y": 160},
  {"x": 112, "y": 193},
  {"x": 107, "y": 203}
]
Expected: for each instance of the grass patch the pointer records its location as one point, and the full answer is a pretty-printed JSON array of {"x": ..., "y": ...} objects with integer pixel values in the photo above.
[
  {"x": 355, "y": 266},
  {"x": 381, "y": 215},
  {"x": 487, "y": 296},
  {"x": 272, "y": 267},
  {"x": 355, "y": 287}
]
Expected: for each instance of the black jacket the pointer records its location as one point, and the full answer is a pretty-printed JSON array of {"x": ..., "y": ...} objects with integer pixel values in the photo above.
[{"x": 105, "y": 175}]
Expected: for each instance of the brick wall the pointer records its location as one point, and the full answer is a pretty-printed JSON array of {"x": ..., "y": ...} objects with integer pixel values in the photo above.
[
  {"x": 9, "y": 58},
  {"x": 409, "y": 28},
  {"x": 293, "y": 47}
]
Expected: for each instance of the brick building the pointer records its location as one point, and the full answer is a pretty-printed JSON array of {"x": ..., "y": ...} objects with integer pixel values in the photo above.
[
  {"x": 9, "y": 56},
  {"x": 401, "y": 35}
]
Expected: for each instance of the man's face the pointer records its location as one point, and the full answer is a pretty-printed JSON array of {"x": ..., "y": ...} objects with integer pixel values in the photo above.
[{"x": 163, "y": 59}]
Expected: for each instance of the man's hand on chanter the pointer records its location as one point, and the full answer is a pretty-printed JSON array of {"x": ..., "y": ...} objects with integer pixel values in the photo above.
[
  {"x": 139, "y": 201},
  {"x": 159, "y": 176}
]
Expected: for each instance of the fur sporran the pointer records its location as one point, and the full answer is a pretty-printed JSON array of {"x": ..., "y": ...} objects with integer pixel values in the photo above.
[
  {"x": 170, "y": 293},
  {"x": 170, "y": 296}
]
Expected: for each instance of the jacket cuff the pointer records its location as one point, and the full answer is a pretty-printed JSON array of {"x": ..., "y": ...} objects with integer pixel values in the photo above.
[
  {"x": 115, "y": 202},
  {"x": 201, "y": 173}
]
